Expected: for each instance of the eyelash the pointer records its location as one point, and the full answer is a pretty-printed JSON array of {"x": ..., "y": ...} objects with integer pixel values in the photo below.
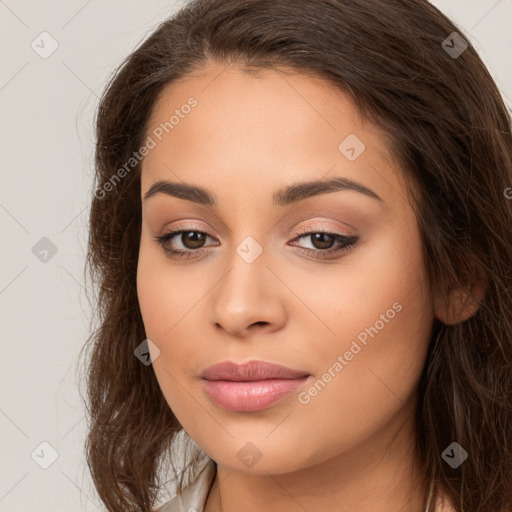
[{"x": 347, "y": 242}]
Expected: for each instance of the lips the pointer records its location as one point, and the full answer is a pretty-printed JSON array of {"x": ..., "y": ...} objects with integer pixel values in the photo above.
[
  {"x": 251, "y": 370},
  {"x": 250, "y": 386}
]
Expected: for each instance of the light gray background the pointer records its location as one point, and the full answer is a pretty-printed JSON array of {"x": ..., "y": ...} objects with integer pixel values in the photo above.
[{"x": 47, "y": 141}]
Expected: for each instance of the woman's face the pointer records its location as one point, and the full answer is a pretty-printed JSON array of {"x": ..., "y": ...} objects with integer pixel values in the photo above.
[{"x": 354, "y": 318}]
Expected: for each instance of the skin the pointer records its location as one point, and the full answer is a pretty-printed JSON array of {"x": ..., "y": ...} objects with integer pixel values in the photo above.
[{"x": 351, "y": 448}]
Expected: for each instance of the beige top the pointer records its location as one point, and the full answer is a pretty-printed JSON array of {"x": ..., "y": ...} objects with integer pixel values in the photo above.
[{"x": 193, "y": 498}]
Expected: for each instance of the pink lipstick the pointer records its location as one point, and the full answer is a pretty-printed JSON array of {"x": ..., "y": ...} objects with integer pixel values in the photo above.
[{"x": 250, "y": 386}]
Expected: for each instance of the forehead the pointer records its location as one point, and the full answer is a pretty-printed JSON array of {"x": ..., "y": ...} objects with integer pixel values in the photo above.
[{"x": 274, "y": 127}]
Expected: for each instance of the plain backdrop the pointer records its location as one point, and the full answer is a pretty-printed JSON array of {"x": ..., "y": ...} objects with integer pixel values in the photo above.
[{"x": 47, "y": 111}]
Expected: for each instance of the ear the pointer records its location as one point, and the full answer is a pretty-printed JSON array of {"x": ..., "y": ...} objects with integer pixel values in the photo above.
[{"x": 461, "y": 304}]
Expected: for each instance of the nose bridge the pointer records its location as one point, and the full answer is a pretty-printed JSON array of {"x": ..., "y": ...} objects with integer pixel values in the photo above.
[
  {"x": 249, "y": 239},
  {"x": 247, "y": 274},
  {"x": 245, "y": 294}
]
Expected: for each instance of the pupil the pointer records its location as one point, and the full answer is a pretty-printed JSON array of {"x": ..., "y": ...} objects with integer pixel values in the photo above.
[
  {"x": 195, "y": 240},
  {"x": 321, "y": 238}
]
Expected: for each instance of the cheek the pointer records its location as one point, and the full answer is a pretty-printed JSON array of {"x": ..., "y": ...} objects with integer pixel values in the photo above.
[
  {"x": 152, "y": 296},
  {"x": 354, "y": 398},
  {"x": 389, "y": 312},
  {"x": 163, "y": 311},
  {"x": 169, "y": 307},
  {"x": 386, "y": 269},
  {"x": 162, "y": 293},
  {"x": 159, "y": 306},
  {"x": 381, "y": 317}
]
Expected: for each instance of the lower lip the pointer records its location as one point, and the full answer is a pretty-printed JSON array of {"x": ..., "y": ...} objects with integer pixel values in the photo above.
[{"x": 250, "y": 395}]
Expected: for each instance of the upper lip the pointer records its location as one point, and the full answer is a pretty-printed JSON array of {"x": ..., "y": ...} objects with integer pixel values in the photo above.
[{"x": 250, "y": 370}]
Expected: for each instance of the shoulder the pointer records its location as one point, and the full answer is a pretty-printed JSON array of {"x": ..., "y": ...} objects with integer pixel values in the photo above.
[{"x": 194, "y": 495}]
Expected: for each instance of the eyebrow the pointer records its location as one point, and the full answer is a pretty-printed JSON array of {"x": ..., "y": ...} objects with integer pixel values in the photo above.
[{"x": 282, "y": 197}]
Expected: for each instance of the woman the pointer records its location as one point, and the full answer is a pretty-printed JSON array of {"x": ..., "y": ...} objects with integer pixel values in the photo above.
[{"x": 301, "y": 236}]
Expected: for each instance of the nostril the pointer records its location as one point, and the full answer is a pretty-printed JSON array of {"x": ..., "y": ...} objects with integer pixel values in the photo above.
[{"x": 260, "y": 323}]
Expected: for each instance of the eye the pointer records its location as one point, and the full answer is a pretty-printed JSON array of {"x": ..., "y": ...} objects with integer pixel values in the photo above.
[
  {"x": 324, "y": 243},
  {"x": 193, "y": 243}
]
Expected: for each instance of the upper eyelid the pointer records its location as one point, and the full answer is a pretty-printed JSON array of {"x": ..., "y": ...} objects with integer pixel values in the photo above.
[
  {"x": 316, "y": 224},
  {"x": 347, "y": 242},
  {"x": 302, "y": 231}
]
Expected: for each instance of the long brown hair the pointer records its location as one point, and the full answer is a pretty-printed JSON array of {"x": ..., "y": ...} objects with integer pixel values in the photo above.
[{"x": 449, "y": 129}]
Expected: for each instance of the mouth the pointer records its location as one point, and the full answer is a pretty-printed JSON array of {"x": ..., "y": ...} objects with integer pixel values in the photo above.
[{"x": 250, "y": 386}]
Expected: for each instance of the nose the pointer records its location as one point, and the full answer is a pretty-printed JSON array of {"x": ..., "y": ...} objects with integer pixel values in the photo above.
[{"x": 249, "y": 298}]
